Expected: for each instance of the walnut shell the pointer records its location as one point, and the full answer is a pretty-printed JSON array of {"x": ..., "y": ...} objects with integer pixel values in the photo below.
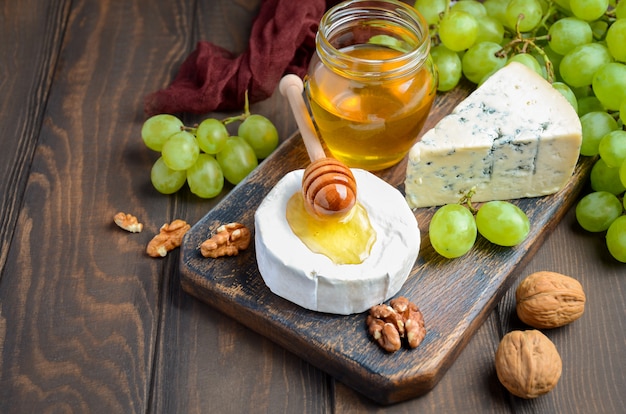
[
  {"x": 527, "y": 363},
  {"x": 549, "y": 300}
]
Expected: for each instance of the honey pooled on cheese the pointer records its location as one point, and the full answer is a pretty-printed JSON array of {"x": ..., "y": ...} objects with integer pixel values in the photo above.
[
  {"x": 345, "y": 239},
  {"x": 312, "y": 280},
  {"x": 515, "y": 136}
]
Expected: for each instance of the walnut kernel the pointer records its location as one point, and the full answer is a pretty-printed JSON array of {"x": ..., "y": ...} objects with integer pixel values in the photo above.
[
  {"x": 170, "y": 237},
  {"x": 527, "y": 363},
  {"x": 230, "y": 239},
  {"x": 388, "y": 324},
  {"x": 384, "y": 333},
  {"x": 413, "y": 320},
  {"x": 128, "y": 222},
  {"x": 549, "y": 300}
]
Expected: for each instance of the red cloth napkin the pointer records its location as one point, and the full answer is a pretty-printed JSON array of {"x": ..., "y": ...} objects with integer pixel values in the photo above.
[{"x": 211, "y": 78}]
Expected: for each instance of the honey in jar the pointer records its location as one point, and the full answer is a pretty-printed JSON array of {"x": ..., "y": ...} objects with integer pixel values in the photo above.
[{"x": 371, "y": 83}]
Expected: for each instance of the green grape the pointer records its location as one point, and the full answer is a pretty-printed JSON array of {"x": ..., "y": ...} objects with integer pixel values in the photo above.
[
  {"x": 616, "y": 239},
  {"x": 496, "y": 8},
  {"x": 458, "y": 30},
  {"x": 489, "y": 30},
  {"x": 545, "y": 6},
  {"x": 481, "y": 60},
  {"x": 589, "y": 104},
  {"x": 579, "y": 65},
  {"x": 211, "y": 135},
  {"x": 609, "y": 85},
  {"x": 260, "y": 134},
  {"x": 589, "y": 10},
  {"x": 166, "y": 180},
  {"x": 564, "y": 4},
  {"x": 622, "y": 174},
  {"x": 390, "y": 42},
  {"x": 237, "y": 159},
  {"x": 622, "y": 111},
  {"x": 568, "y": 33},
  {"x": 583, "y": 92},
  {"x": 595, "y": 125},
  {"x": 205, "y": 177},
  {"x": 452, "y": 231},
  {"x": 596, "y": 211},
  {"x": 448, "y": 65},
  {"x": 529, "y": 61},
  {"x": 567, "y": 93},
  {"x": 605, "y": 178},
  {"x": 472, "y": 7},
  {"x": 612, "y": 148},
  {"x": 158, "y": 128},
  {"x": 599, "y": 28},
  {"x": 502, "y": 223},
  {"x": 530, "y": 11},
  {"x": 431, "y": 9},
  {"x": 180, "y": 151},
  {"x": 620, "y": 10}
]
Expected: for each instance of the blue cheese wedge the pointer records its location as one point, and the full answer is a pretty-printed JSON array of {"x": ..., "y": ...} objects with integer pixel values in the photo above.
[
  {"x": 312, "y": 280},
  {"x": 515, "y": 136}
]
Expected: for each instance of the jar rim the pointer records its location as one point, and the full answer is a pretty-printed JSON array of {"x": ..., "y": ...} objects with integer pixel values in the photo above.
[{"x": 350, "y": 11}]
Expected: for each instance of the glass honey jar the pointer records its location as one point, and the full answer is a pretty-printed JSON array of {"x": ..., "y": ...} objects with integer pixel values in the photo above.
[{"x": 371, "y": 84}]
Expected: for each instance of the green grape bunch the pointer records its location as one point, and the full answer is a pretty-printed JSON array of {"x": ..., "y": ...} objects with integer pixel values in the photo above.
[
  {"x": 206, "y": 155},
  {"x": 579, "y": 46}
]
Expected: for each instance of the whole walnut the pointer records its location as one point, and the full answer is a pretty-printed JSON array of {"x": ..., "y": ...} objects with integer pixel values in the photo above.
[
  {"x": 549, "y": 300},
  {"x": 527, "y": 363}
]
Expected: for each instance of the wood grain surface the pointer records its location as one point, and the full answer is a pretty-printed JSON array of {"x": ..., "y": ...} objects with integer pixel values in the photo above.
[{"x": 90, "y": 324}]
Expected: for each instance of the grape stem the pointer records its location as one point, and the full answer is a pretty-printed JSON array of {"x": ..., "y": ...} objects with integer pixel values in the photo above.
[
  {"x": 552, "y": 9},
  {"x": 242, "y": 117},
  {"x": 225, "y": 121},
  {"x": 530, "y": 41},
  {"x": 467, "y": 200},
  {"x": 526, "y": 44}
]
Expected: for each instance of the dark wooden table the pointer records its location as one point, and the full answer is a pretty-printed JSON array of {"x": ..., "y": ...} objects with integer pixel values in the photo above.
[{"x": 89, "y": 323}]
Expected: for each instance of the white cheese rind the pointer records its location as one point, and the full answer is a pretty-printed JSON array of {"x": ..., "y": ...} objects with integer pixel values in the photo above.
[
  {"x": 312, "y": 280},
  {"x": 515, "y": 136}
]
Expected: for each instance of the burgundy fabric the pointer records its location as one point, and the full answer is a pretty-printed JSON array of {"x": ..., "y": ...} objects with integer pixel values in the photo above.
[{"x": 282, "y": 40}]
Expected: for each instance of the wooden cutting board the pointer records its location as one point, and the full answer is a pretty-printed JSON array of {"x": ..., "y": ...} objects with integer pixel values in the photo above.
[{"x": 455, "y": 296}]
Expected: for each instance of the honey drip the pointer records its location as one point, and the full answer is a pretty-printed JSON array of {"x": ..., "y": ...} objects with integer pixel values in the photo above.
[{"x": 344, "y": 240}]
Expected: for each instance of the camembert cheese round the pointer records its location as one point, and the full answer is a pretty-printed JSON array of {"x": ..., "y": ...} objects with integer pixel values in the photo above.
[{"x": 315, "y": 282}]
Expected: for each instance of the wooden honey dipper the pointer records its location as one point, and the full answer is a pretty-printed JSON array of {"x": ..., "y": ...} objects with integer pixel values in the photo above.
[{"x": 328, "y": 185}]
